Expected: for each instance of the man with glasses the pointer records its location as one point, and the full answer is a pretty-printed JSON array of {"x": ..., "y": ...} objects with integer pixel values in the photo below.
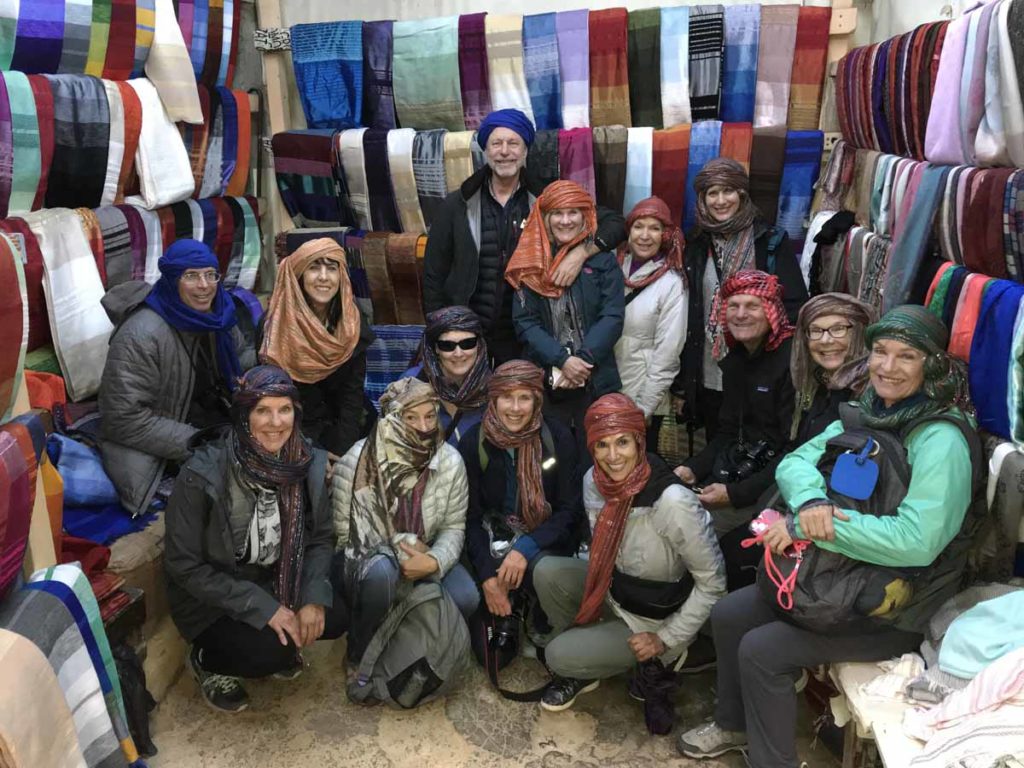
[
  {"x": 477, "y": 229},
  {"x": 175, "y": 356}
]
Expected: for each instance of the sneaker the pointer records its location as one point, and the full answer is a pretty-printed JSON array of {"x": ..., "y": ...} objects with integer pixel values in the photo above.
[
  {"x": 291, "y": 673},
  {"x": 709, "y": 740},
  {"x": 561, "y": 692},
  {"x": 221, "y": 692},
  {"x": 700, "y": 656}
]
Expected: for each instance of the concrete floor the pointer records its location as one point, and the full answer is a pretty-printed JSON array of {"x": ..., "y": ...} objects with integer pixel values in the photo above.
[{"x": 308, "y": 722}]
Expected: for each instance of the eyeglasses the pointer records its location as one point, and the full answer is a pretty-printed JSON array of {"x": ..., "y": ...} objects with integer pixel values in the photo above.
[
  {"x": 444, "y": 345},
  {"x": 194, "y": 278},
  {"x": 836, "y": 332}
]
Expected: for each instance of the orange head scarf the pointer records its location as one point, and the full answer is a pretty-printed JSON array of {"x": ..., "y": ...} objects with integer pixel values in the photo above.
[
  {"x": 294, "y": 338},
  {"x": 532, "y": 263},
  {"x": 672, "y": 242},
  {"x": 611, "y": 415}
]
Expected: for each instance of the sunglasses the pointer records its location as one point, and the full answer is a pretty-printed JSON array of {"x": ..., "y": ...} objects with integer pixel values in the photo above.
[{"x": 444, "y": 345}]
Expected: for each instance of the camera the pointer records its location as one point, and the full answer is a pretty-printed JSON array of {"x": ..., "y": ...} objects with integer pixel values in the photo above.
[{"x": 743, "y": 460}]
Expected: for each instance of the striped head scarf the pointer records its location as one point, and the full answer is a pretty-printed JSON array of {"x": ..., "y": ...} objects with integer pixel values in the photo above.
[
  {"x": 752, "y": 282},
  {"x": 471, "y": 393},
  {"x": 532, "y": 507},
  {"x": 611, "y": 415},
  {"x": 285, "y": 471},
  {"x": 671, "y": 253},
  {"x": 532, "y": 263}
]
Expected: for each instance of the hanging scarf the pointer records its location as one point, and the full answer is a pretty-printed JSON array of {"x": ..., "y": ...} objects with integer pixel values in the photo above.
[
  {"x": 573, "y": 39},
  {"x": 610, "y": 149},
  {"x": 532, "y": 509},
  {"x": 295, "y": 338},
  {"x": 576, "y": 157},
  {"x": 506, "y": 72},
  {"x": 608, "y": 416},
  {"x": 426, "y": 73},
  {"x": 473, "y": 83},
  {"x": 739, "y": 62},
  {"x": 675, "y": 65},
  {"x": 752, "y": 282},
  {"x": 644, "y": 50},
  {"x": 378, "y": 84},
  {"x": 540, "y": 62},
  {"x": 705, "y": 147},
  {"x": 165, "y": 301},
  {"x": 670, "y": 163},
  {"x": 471, "y": 393},
  {"x": 532, "y": 262},
  {"x": 639, "y": 165},
  {"x": 670, "y": 255},
  {"x": 707, "y": 42},
  {"x": 284, "y": 471}
]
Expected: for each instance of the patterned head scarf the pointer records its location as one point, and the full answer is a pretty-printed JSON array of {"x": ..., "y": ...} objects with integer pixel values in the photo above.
[
  {"x": 532, "y": 263},
  {"x": 945, "y": 377},
  {"x": 766, "y": 287},
  {"x": 726, "y": 172},
  {"x": 505, "y": 118},
  {"x": 294, "y": 337},
  {"x": 532, "y": 509},
  {"x": 286, "y": 470},
  {"x": 611, "y": 415},
  {"x": 671, "y": 252},
  {"x": 472, "y": 392}
]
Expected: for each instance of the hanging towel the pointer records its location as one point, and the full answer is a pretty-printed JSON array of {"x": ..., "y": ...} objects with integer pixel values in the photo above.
[
  {"x": 540, "y": 62},
  {"x": 675, "y": 65},
  {"x": 473, "y": 80},
  {"x": 705, "y": 145},
  {"x": 737, "y": 139},
  {"x": 71, "y": 282},
  {"x": 990, "y": 141},
  {"x": 576, "y": 157},
  {"x": 81, "y": 138},
  {"x": 458, "y": 158},
  {"x": 238, "y": 179},
  {"x": 328, "y": 63},
  {"x": 426, "y": 73},
  {"x": 645, "y": 67},
  {"x": 40, "y": 39},
  {"x": 75, "y": 50},
  {"x": 184, "y": 225},
  {"x": 609, "y": 80},
  {"x": 115, "y": 149},
  {"x": 610, "y": 147},
  {"x": 706, "y": 43},
  {"x": 26, "y": 162},
  {"x": 403, "y": 179},
  {"x": 767, "y": 158},
  {"x": 165, "y": 174},
  {"x": 145, "y": 27},
  {"x": 775, "y": 64},
  {"x": 169, "y": 68},
  {"x": 1011, "y": 62},
  {"x": 809, "y": 58},
  {"x": 117, "y": 247},
  {"x": 742, "y": 24},
  {"x": 428, "y": 168},
  {"x": 349, "y": 152},
  {"x": 671, "y": 158},
  {"x": 505, "y": 69},
  {"x": 639, "y": 166},
  {"x": 13, "y": 325},
  {"x": 573, "y": 34},
  {"x": 211, "y": 175},
  {"x": 378, "y": 85},
  {"x": 801, "y": 165},
  {"x": 38, "y": 321},
  {"x": 942, "y": 136},
  {"x": 305, "y": 176},
  {"x": 403, "y": 272},
  {"x": 991, "y": 358}
]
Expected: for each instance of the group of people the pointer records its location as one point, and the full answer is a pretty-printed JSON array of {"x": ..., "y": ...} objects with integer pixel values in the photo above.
[{"x": 559, "y": 337}]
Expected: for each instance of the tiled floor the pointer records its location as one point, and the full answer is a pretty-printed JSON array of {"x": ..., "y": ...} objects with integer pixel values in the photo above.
[{"x": 308, "y": 722}]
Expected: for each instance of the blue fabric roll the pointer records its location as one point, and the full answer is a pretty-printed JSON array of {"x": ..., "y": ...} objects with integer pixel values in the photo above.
[
  {"x": 328, "y": 63},
  {"x": 991, "y": 348}
]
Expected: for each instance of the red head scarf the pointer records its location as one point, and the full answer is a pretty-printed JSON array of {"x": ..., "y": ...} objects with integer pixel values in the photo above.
[
  {"x": 611, "y": 415},
  {"x": 671, "y": 253},
  {"x": 532, "y": 263},
  {"x": 752, "y": 282},
  {"x": 532, "y": 509}
]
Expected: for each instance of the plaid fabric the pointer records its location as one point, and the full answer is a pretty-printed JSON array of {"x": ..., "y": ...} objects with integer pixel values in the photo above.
[
  {"x": 81, "y": 141},
  {"x": 458, "y": 158},
  {"x": 809, "y": 57},
  {"x": 426, "y": 73},
  {"x": 99, "y": 36},
  {"x": 13, "y": 325},
  {"x": 576, "y": 158},
  {"x": 328, "y": 64},
  {"x": 403, "y": 179},
  {"x": 739, "y": 62},
  {"x": 540, "y": 62},
  {"x": 374, "y": 252},
  {"x": 767, "y": 157},
  {"x": 38, "y": 320},
  {"x": 404, "y": 271},
  {"x": 506, "y": 72},
  {"x": 707, "y": 40},
  {"x": 305, "y": 176},
  {"x": 675, "y": 65},
  {"x": 75, "y": 52},
  {"x": 671, "y": 157},
  {"x": 389, "y": 356},
  {"x": 775, "y": 64},
  {"x": 737, "y": 140},
  {"x": 428, "y": 169},
  {"x": 383, "y": 209},
  {"x": 40, "y": 40},
  {"x": 542, "y": 161},
  {"x": 639, "y": 166},
  {"x": 645, "y": 67},
  {"x": 705, "y": 144},
  {"x": 573, "y": 33},
  {"x": 609, "y": 67},
  {"x": 473, "y": 80},
  {"x": 801, "y": 165},
  {"x": 145, "y": 28},
  {"x": 610, "y": 147},
  {"x": 378, "y": 85},
  {"x": 120, "y": 56}
]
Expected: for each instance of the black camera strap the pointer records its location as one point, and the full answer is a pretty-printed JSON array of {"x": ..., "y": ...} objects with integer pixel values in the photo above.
[{"x": 490, "y": 661}]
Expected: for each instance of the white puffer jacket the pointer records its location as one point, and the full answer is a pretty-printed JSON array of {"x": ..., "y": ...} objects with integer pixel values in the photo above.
[
  {"x": 647, "y": 353},
  {"x": 445, "y": 499}
]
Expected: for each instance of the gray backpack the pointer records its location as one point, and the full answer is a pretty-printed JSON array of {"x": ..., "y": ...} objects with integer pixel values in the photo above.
[{"x": 418, "y": 653}]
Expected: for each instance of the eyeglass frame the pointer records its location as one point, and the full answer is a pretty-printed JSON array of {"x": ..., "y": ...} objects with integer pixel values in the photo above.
[
  {"x": 822, "y": 331},
  {"x": 193, "y": 278}
]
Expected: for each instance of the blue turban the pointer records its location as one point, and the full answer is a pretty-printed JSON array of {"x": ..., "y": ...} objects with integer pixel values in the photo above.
[
  {"x": 164, "y": 299},
  {"x": 505, "y": 118}
]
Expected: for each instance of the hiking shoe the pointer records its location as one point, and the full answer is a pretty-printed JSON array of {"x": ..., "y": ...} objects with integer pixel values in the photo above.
[
  {"x": 221, "y": 692},
  {"x": 290, "y": 673},
  {"x": 709, "y": 740},
  {"x": 561, "y": 692},
  {"x": 700, "y": 656}
]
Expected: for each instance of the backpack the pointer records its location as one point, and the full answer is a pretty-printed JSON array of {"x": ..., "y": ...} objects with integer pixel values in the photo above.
[
  {"x": 825, "y": 591},
  {"x": 417, "y": 654}
]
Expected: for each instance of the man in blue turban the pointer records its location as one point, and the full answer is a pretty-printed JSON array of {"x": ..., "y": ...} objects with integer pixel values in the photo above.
[
  {"x": 174, "y": 359},
  {"x": 477, "y": 228}
]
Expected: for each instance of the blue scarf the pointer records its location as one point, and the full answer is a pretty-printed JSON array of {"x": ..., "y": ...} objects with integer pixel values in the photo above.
[{"x": 184, "y": 255}]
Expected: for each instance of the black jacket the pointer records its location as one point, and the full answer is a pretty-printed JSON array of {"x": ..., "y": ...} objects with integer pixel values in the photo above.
[
  {"x": 824, "y": 409},
  {"x": 758, "y": 401},
  {"x": 204, "y": 582},
  {"x": 487, "y": 495},
  {"x": 451, "y": 260},
  {"x": 770, "y": 245}
]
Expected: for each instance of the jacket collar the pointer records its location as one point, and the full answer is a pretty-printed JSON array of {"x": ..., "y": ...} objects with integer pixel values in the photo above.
[{"x": 476, "y": 182}]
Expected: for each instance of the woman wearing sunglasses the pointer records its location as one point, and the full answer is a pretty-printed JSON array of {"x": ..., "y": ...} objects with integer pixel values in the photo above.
[{"x": 453, "y": 360}]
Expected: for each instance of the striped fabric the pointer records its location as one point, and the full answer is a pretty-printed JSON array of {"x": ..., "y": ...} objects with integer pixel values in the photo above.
[
  {"x": 706, "y": 44},
  {"x": 576, "y": 157},
  {"x": 671, "y": 156},
  {"x": 75, "y": 51},
  {"x": 809, "y": 57},
  {"x": 473, "y": 79},
  {"x": 675, "y": 65},
  {"x": 40, "y": 40},
  {"x": 348, "y": 153},
  {"x": 800, "y": 169},
  {"x": 328, "y": 64},
  {"x": 540, "y": 61},
  {"x": 117, "y": 251},
  {"x": 610, "y": 148},
  {"x": 26, "y": 160},
  {"x": 99, "y": 35},
  {"x": 639, "y": 166},
  {"x": 138, "y": 239},
  {"x": 305, "y": 176},
  {"x": 429, "y": 171},
  {"x": 645, "y": 67},
  {"x": 426, "y": 74},
  {"x": 383, "y": 210},
  {"x": 389, "y": 356},
  {"x": 196, "y": 212},
  {"x": 91, "y": 227},
  {"x": 115, "y": 150},
  {"x": 705, "y": 144},
  {"x": 186, "y": 13},
  {"x": 609, "y": 67},
  {"x": 775, "y": 64},
  {"x": 378, "y": 85},
  {"x": 573, "y": 33},
  {"x": 81, "y": 141},
  {"x": 403, "y": 179},
  {"x": 458, "y": 158},
  {"x": 506, "y": 73},
  {"x": 739, "y": 62},
  {"x": 120, "y": 58},
  {"x": 162, "y": 162},
  {"x": 13, "y": 329},
  {"x": 169, "y": 68},
  {"x": 145, "y": 28}
]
